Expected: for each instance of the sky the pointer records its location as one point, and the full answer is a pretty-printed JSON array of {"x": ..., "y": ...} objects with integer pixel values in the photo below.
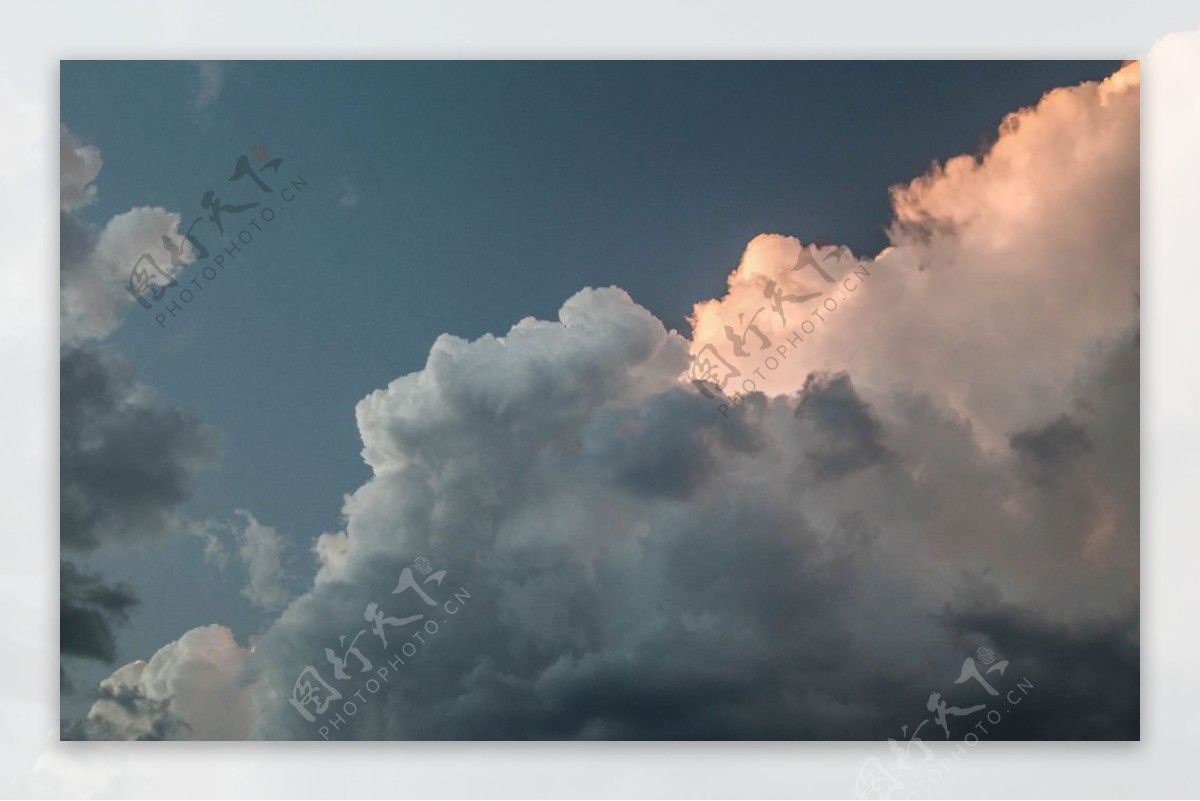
[{"x": 458, "y": 199}]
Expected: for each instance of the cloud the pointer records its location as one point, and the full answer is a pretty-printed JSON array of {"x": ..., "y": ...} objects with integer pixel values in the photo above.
[
  {"x": 331, "y": 550},
  {"x": 128, "y": 461},
  {"x": 212, "y": 534},
  {"x": 1004, "y": 273},
  {"x": 210, "y": 77},
  {"x": 849, "y": 434},
  {"x": 261, "y": 550},
  {"x": 746, "y": 598},
  {"x": 1053, "y": 446},
  {"x": 810, "y": 564},
  {"x": 189, "y": 690},
  {"x": 349, "y": 196},
  {"x": 96, "y": 262},
  {"x": 88, "y": 610},
  {"x": 1093, "y": 668},
  {"x": 79, "y": 164}
]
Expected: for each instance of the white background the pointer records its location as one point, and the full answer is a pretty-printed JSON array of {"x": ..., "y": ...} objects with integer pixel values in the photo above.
[{"x": 34, "y": 38}]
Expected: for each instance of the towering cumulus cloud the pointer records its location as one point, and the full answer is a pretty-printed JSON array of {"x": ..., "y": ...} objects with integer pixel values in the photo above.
[
  {"x": 946, "y": 460},
  {"x": 1007, "y": 273}
]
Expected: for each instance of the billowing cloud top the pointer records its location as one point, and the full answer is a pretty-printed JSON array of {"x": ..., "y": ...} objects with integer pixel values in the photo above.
[{"x": 1004, "y": 274}]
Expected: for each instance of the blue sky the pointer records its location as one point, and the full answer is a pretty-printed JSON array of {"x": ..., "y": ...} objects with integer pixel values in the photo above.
[{"x": 461, "y": 197}]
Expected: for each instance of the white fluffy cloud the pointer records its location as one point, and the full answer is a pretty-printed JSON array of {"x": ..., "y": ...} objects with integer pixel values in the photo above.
[
  {"x": 96, "y": 261},
  {"x": 190, "y": 690},
  {"x": 331, "y": 550},
  {"x": 96, "y": 265}
]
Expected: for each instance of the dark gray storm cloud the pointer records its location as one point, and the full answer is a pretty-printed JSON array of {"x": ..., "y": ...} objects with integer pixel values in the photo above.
[
  {"x": 767, "y": 577},
  {"x": 89, "y": 608},
  {"x": 1053, "y": 446},
  {"x": 848, "y": 435},
  {"x": 128, "y": 460},
  {"x": 77, "y": 241},
  {"x": 1086, "y": 676}
]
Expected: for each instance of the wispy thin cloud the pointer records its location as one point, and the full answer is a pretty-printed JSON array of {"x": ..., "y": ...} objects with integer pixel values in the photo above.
[
  {"x": 349, "y": 193},
  {"x": 211, "y": 75}
]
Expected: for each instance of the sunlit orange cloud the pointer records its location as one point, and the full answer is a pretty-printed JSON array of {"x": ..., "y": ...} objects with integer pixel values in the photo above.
[{"x": 1006, "y": 276}]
